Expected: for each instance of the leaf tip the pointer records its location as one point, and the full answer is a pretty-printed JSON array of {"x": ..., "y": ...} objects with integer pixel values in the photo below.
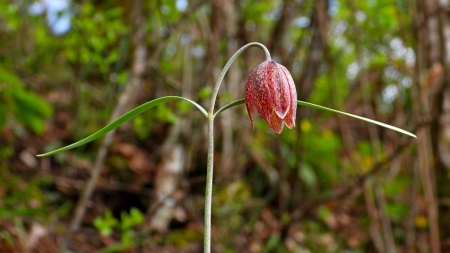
[
  {"x": 407, "y": 133},
  {"x": 48, "y": 153}
]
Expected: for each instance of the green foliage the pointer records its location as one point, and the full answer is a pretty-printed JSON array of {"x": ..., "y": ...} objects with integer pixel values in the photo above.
[
  {"x": 330, "y": 89},
  {"x": 319, "y": 143},
  {"x": 167, "y": 10},
  {"x": 8, "y": 13},
  {"x": 26, "y": 107},
  {"x": 204, "y": 92},
  {"x": 102, "y": 31},
  {"x": 106, "y": 224},
  {"x": 128, "y": 222},
  {"x": 126, "y": 225},
  {"x": 165, "y": 114},
  {"x": 141, "y": 127}
]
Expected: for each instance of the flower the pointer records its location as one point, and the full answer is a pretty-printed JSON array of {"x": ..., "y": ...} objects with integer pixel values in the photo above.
[{"x": 270, "y": 90}]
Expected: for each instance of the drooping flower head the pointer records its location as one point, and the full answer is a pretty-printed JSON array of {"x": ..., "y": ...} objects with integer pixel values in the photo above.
[{"x": 270, "y": 90}]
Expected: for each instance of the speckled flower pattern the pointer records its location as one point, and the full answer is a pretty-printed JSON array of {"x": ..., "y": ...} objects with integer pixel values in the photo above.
[{"x": 270, "y": 90}]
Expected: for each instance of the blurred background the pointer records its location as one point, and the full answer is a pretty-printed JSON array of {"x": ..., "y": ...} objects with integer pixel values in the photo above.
[{"x": 331, "y": 184}]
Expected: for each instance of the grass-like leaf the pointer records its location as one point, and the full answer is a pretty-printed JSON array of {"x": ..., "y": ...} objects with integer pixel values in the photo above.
[
  {"x": 356, "y": 117},
  {"x": 129, "y": 115},
  {"x": 241, "y": 101},
  {"x": 232, "y": 104},
  {"x": 136, "y": 111}
]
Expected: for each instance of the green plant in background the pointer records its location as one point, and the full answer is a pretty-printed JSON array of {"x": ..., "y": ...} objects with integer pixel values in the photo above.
[
  {"x": 26, "y": 107},
  {"x": 129, "y": 221},
  {"x": 106, "y": 225},
  {"x": 269, "y": 90}
]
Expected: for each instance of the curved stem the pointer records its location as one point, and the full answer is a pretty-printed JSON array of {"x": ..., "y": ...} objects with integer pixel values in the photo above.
[
  {"x": 227, "y": 66},
  {"x": 210, "y": 162}
]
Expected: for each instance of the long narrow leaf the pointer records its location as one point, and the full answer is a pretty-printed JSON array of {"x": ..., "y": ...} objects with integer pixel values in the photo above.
[
  {"x": 241, "y": 101},
  {"x": 232, "y": 104},
  {"x": 356, "y": 117},
  {"x": 129, "y": 115}
]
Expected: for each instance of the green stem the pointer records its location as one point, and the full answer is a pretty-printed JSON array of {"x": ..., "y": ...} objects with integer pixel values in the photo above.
[
  {"x": 209, "y": 181},
  {"x": 228, "y": 65},
  {"x": 210, "y": 162}
]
